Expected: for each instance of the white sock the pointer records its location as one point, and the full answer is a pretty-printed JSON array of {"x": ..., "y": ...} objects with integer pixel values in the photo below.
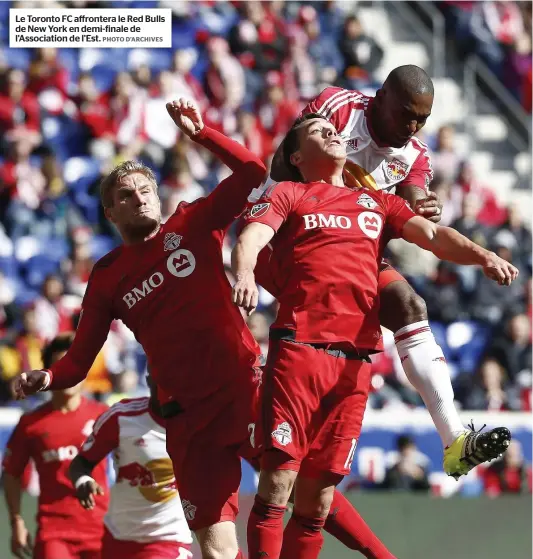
[{"x": 425, "y": 367}]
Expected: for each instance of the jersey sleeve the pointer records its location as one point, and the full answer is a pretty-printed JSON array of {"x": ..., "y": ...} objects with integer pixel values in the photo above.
[
  {"x": 104, "y": 438},
  {"x": 274, "y": 206},
  {"x": 336, "y": 104},
  {"x": 421, "y": 172},
  {"x": 398, "y": 213},
  {"x": 93, "y": 328},
  {"x": 17, "y": 452},
  {"x": 229, "y": 199}
]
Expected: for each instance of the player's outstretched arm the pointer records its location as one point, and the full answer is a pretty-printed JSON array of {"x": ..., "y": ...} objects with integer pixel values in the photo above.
[
  {"x": 230, "y": 197},
  {"x": 253, "y": 238},
  {"x": 448, "y": 244},
  {"x": 21, "y": 542},
  {"x": 79, "y": 472}
]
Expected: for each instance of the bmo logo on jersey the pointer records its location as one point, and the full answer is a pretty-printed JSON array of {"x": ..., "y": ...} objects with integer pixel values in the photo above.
[
  {"x": 370, "y": 224},
  {"x": 312, "y": 221},
  {"x": 60, "y": 454},
  {"x": 181, "y": 263}
]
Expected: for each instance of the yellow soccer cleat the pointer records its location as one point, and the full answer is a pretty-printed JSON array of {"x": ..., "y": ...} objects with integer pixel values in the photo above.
[{"x": 472, "y": 448}]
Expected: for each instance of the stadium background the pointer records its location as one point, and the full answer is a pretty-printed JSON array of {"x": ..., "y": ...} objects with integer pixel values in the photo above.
[{"x": 67, "y": 116}]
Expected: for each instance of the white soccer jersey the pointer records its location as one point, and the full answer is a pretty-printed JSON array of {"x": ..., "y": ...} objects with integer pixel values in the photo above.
[
  {"x": 374, "y": 166},
  {"x": 145, "y": 504}
]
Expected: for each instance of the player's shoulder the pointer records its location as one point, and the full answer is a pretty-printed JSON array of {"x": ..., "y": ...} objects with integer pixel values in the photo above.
[
  {"x": 418, "y": 149},
  {"x": 332, "y": 98},
  {"x": 126, "y": 407},
  {"x": 38, "y": 413},
  {"x": 106, "y": 263}
]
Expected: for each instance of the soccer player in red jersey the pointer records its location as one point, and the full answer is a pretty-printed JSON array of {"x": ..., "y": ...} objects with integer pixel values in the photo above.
[
  {"x": 329, "y": 243},
  {"x": 168, "y": 285},
  {"x": 383, "y": 153},
  {"x": 51, "y": 436}
]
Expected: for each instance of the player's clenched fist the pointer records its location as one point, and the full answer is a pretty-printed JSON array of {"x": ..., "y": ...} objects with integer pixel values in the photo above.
[
  {"x": 21, "y": 541},
  {"x": 29, "y": 383},
  {"x": 498, "y": 269},
  {"x": 245, "y": 292},
  {"x": 186, "y": 115}
]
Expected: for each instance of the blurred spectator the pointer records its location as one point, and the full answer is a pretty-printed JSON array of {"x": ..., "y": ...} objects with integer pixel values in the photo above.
[
  {"x": 127, "y": 109},
  {"x": 445, "y": 159},
  {"x": 276, "y": 113},
  {"x": 443, "y": 295},
  {"x": 489, "y": 301},
  {"x": 77, "y": 268},
  {"x": 512, "y": 349},
  {"x": 511, "y": 474},
  {"x": 23, "y": 186},
  {"x": 48, "y": 79},
  {"x": 178, "y": 187},
  {"x": 225, "y": 84},
  {"x": 95, "y": 113},
  {"x": 443, "y": 189},
  {"x": 257, "y": 38},
  {"x": 517, "y": 234},
  {"x": 299, "y": 70},
  {"x": 19, "y": 109},
  {"x": 322, "y": 49},
  {"x": 185, "y": 84},
  {"x": 23, "y": 352},
  {"x": 362, "y": 54},
  {"x": 490, "y": 212},
  {"x": 409, "y": 472},
  {"x": 468, "y": 224},
  {"x": 53, "y": 313},
  {"x": 251, "y": 134},
  {"x": 8, "y": 308},
  {"x": 492, "y": 390},
  {"x": 160, "y": 129},
  {"x": 143, "y": 78}
]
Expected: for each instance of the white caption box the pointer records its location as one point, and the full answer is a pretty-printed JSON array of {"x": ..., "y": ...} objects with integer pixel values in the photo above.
[{"x": 79, "y": 28}]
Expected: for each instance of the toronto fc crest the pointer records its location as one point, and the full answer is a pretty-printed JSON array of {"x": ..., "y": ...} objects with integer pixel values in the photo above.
[{"x": 172, "y": 241}]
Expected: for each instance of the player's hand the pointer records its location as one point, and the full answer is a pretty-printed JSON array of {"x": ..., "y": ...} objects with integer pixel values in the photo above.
[
  {"x": 430, "y": 207},
  {"x": 245, "y": 292},
  {"x": 86, "y": 492},
  {"x": 499, "y": 270},
  {"x": 186, "y": 115},
  {"x": 29, "y": 383},
  {"x": 21, "y": 542}
]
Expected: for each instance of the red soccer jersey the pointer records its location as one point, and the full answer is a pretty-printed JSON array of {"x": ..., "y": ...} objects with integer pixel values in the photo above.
[
  {"x": 173, "y": 293},
  {"x": 327, "y": 249},
  {"x": 52, "y": 439}
]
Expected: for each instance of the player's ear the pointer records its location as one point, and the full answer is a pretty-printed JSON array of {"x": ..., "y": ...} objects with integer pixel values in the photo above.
[
  {"x": 296, "y": 158},
  {"x": 108, "y": 212}
]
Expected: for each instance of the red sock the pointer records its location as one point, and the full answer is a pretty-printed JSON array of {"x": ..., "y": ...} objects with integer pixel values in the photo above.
[
  {"x": 265, "y": 530},
  {"x": 302, "y": 538},
  {"x": 345, "y": 524}
]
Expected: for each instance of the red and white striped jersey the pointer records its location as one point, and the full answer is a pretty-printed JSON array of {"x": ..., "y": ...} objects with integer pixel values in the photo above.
[
  {"x": 145, "y": 504},
  {"x": 373, "y": 165}
]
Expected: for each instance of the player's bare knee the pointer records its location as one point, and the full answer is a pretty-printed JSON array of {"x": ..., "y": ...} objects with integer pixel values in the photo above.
[
  {"x": 218, "y": 541},
  {"x": 275, "y": 486},
  {"x": 400, "y": 306},
  {"x": 313, "y": 497}
]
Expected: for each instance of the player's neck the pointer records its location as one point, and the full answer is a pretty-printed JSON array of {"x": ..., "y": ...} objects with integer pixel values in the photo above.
[
  {"x": 333, "y": 177},
  {"x": 64, "y": 403},
  {"x": 135, "y": 237}
]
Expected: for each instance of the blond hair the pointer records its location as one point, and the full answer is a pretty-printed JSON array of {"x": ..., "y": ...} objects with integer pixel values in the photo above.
[{"x": 117, "y": 174}]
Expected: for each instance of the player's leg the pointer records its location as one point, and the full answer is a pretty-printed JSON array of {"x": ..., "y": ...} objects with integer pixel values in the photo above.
[
  {"x": 303, "y": 537},
  {"x": 330, "y": 457},
  {"x": 404, "y": 312},
  {"x": 292, "y": 393},
  {"x": 52, "y": 549}
]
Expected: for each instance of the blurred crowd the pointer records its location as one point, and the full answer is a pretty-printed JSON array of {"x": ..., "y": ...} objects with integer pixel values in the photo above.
[
  {"x": 68, "y": 116},
  {"x": 500, "y": 34}
]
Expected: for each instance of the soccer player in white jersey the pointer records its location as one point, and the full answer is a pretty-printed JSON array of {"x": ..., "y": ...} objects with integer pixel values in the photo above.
[
  {"x": 384, "y": 154},
  {"x": 146, "y": 518}
]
